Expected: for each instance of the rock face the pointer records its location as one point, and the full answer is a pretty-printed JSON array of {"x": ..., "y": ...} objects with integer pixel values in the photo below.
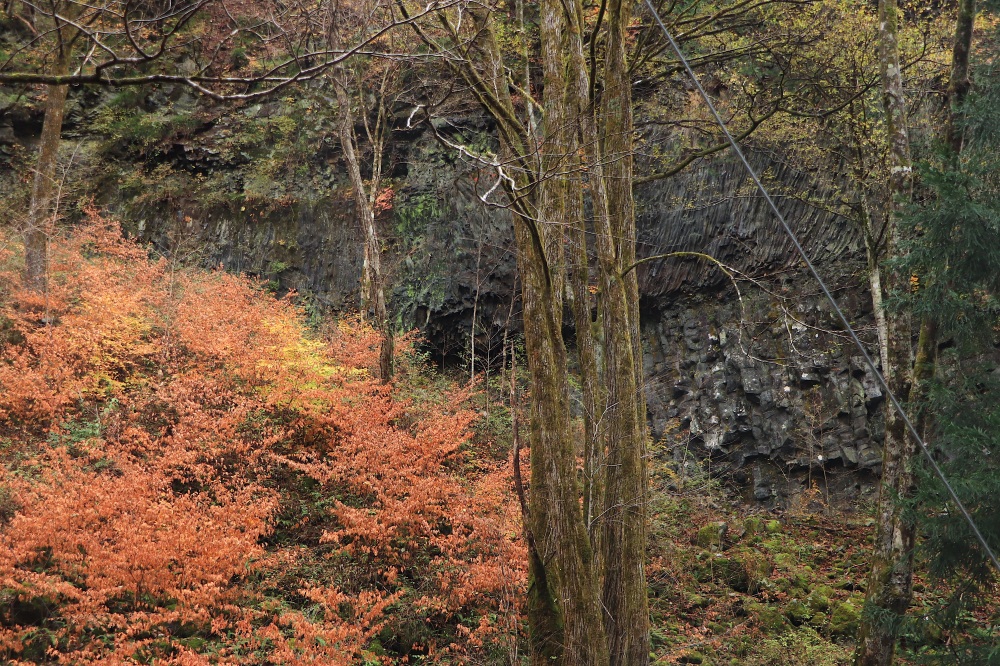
[
  {"x": 766, "y": 390},
  {"x": 746, "y": 367}
]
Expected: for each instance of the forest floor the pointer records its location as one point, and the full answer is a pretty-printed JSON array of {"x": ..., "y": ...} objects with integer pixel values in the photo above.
[{"x": 731, "y": 584}]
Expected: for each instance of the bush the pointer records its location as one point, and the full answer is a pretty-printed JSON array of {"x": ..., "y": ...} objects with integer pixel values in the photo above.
[{"x": 159, "y": 423}]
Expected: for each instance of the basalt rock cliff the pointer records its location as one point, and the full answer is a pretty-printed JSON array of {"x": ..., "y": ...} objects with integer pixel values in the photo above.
[{"x": 747, "y": 370}]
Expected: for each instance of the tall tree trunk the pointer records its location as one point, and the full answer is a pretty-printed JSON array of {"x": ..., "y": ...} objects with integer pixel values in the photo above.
[
  {"x": 586, "y": 346},
  {"x": 891, "y": 578},
  {"x": 607, "y": 141},
  {"x": 891, "y": 582},
  {"x": 959, "y": 83},
  {"x": 564, "y": 613},
  {"x": 41, "y": 213},
  {"x": 373, "y": 280},
  {"x": 564, "y": 174},
  {"x": 586, "y": 351},
  {"x": 564, "y": 605},
  {"x": 566, "y": 551},
  {"x": 625, "y": 593}
]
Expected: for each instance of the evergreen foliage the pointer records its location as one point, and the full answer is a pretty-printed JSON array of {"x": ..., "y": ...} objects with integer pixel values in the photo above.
[{"x": 954, "y": 261}]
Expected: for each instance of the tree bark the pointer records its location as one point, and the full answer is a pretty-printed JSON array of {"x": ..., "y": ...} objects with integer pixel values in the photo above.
[
  {"x": 41, "y": 213},
  {"x": 578, "y": 264},
  {"x": 542, "y": 171},
  {"x": 959, "y": 83},
  {"x": 586, "y": 351},
  {"x": 563, "y": 599},
  {"x": 891, "y": 582},
  {"x": 607, "y": 142},
  {"x": 373, "y": 284},
  {"x": 555, "y": 493},
  {"x": 565, "y": 617},
  {"x": 625, "y": 593}
]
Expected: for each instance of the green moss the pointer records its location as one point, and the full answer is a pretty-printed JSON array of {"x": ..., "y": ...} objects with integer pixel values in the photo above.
[
  {"x": 785, "y": 561},
  {"x": 710, "y": 536},
  {"x": 818, "y": 620},
  {"x": 753, "y": 525},
  {"x": 797, "y": 611},
  {"x": 277, "y": 267},
  {"x": 844, "y": 620},
  {"x": 773, "y": 527},
  {"x": 743, "y": 570},
  {"x": 130, "y": 126},
  {"x": 705, "y": 567},
  {"x": 800, "y": 647},
  {"x": 195, "y": 643},
  {"x": 698, "y": 601},
  {"x": 930, "y": 632},
  {"x": 801, "y": 582},
  {"x": 9, "y": 333},
  {"x": 413, "y": 214},
  {"x": 819, "y": 598},
  {"x": 771, "y": 620}
]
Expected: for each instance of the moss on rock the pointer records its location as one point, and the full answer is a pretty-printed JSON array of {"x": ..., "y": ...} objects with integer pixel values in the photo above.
[
  {"x": 771, "y": 620},
  {"x": 818, "y": 621},
  {"x": 753, "y": 525},
  {"x": 797, "y": 612},
  {"x": 819, "y": 598},
  {"x": 844, "y": 620},
  {"x": 743, "y": 569},
  {"x": 710, "y": 536},
  {"x": 785, "y": 560}
]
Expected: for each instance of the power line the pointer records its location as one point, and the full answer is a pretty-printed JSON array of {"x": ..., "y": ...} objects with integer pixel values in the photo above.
[{"x": 812, "y": 269}]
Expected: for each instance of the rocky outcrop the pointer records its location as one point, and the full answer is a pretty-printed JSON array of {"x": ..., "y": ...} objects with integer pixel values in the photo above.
[
  {"x": 752, "y": 376},
  {"x": 714, "y": 208},
  {"x": 765, "y": 389},
  {"x": 747, "y": 367}
]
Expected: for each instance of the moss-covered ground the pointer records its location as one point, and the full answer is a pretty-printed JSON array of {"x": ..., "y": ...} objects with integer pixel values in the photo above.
[{"x": 731, "y": 584}]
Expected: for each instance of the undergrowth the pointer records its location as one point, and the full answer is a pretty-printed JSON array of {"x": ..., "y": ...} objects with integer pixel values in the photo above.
[{"x": 190, "y": 475}]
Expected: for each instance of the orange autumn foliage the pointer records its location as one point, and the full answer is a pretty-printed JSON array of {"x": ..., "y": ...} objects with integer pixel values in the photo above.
[{"x": 158, "y": 430}]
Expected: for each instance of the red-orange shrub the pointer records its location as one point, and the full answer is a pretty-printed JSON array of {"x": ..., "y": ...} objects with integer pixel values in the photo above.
[{"x": 158, "y": 426}]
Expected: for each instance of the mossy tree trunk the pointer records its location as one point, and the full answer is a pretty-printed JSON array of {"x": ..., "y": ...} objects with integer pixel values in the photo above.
[
  {"x": 890, "y": 586},
  {"x": 605, "y": 131},
  {"x": 42, "y": 211},
  {"x": 890, "y": 579},
  {"x": 625, "y": 593},
  {"x": 45, "y": 187},
  {"x": 546, "y": 170},
  {"x": 566, "y": 134},
  {"x": 564, "y": 603}
]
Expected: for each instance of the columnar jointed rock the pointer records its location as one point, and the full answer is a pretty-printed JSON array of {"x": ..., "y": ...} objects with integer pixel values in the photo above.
[{"x": 765, "y": 389}]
